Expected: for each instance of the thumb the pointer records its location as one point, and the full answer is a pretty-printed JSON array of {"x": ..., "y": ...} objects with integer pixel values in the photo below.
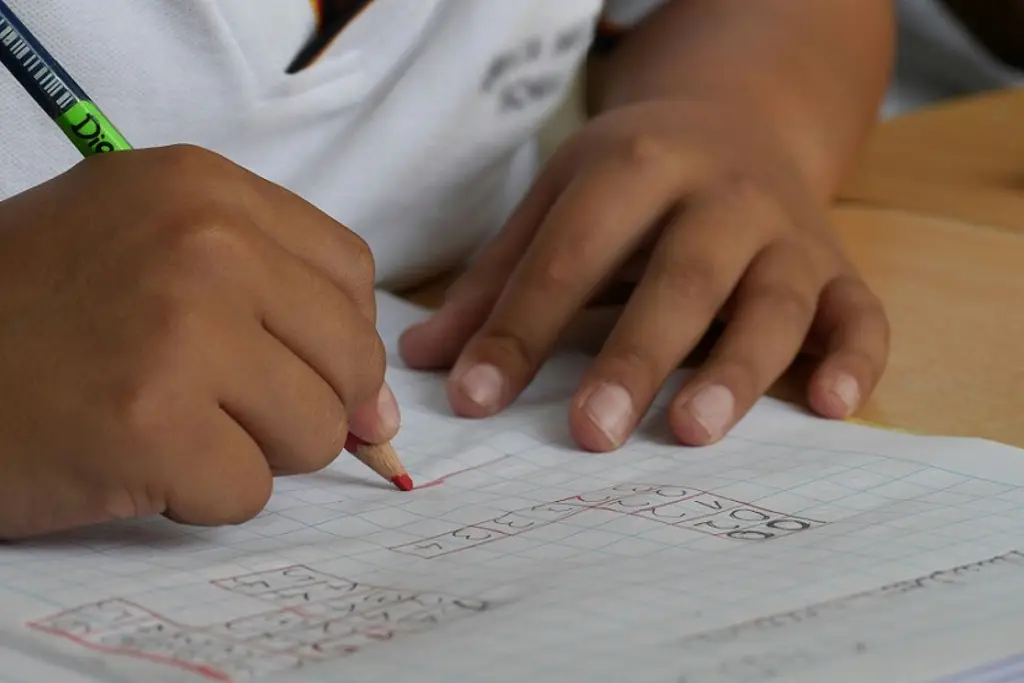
[{"x": 376, "y": 421}]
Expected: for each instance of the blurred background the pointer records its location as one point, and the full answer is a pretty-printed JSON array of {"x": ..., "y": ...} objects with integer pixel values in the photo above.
[{"x": 955, "y": 48}]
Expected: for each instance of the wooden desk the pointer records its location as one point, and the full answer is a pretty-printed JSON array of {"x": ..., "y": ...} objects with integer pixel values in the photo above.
[
  {"x": 954, "y": 293},
  {"x": 963, "y": 159}
]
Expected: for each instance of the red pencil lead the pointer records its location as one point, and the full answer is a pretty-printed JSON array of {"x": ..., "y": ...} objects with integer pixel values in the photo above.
[
  {"x": 382, "y": 459},
  {"x": 403, "y": 482}
]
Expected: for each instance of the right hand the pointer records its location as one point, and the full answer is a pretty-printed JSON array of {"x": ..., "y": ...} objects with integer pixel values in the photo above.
[{"x": 175, "y": 331}]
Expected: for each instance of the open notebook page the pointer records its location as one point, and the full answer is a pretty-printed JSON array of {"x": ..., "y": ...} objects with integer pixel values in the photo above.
[{"x": 795, "y": 550}]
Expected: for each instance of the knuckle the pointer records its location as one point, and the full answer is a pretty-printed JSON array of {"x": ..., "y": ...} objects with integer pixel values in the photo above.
[
  {"x": 871, "y": 302},
  {"x": 171, "y": 324},
  {"x": 207, "y": 240},
  {"x": 739, "y": 193},
  {"x": 742, "y": 373},
  {"x": 143, "y": 411},
  {"x": 362, "y": 262},
  {"x": 637, "y": 362},
  {"x": 190, "y": 175},
  {"x": 785, "y": 301},
  {"x": 561, "y": 267},
  {"x": 518, "y": 353},
  {"x": 865, "y": 307},
  {"x": 691, "y": 279},
  {"x": 644, "y": 149},
  {"x": 739, "y": 187},
  {"x": 190, "y": 163}
]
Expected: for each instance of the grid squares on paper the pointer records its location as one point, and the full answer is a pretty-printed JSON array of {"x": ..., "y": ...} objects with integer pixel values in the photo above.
[
  {"x": 553, "y": 529},
  {"x": 682, "y": 507},
  {"x": 308, "y": 616}
]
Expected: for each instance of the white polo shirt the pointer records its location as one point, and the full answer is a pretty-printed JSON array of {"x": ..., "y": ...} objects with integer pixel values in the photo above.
[{"x": 413, "y": 125}]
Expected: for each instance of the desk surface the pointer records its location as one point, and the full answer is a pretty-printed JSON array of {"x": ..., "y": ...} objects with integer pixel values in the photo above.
[
  {"x": 954, "y": 294},
  {"x": 963, "y": 159}
]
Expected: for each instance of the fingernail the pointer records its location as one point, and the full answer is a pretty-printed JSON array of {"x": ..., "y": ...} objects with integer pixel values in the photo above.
[
  {"x": 713, "y": 407},
  {"x": 610, "y": 408},
  {"x": 483, "y": 384},
  {"x": 847, "y": 390},
  {"x": 387, "y": 409}
]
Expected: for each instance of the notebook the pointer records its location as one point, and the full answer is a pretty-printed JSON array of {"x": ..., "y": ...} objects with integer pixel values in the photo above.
[{"x": 795, "y": 550}]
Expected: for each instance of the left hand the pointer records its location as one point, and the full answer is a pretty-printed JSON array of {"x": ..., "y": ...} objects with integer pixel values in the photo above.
[{"x": 721, "y": 223}]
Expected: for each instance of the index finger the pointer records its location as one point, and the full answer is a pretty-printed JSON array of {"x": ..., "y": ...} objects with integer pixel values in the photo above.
[{"x": 600, "y": 218}]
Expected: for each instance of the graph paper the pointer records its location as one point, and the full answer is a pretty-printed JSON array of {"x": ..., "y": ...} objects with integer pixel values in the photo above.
[{"x": 796, "y": 549}]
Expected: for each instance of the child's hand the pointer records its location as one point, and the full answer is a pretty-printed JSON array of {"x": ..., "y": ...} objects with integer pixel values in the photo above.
[
  {"x": 716, "y": 222},
  {"x": 173, "y": 332}
]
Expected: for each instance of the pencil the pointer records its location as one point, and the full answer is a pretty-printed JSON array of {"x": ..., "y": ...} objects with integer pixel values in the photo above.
[
  {"x": 88, "y": 128},
  {"x": 54, "y": 90},
  {"x": 382, "y": 459}
]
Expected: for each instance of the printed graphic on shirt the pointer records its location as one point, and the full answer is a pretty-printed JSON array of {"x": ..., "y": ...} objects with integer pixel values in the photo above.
[
  {"x": 534, "y": 71},
  {"x": 332, "y": 16},
  {"x": 528, "y": 75}
]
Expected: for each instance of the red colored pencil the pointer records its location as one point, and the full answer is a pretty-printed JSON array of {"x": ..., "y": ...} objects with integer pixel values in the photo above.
[{"x": 382, "y": 459}]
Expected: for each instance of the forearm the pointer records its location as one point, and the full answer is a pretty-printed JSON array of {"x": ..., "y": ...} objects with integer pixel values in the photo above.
[{"x": 812, "y": 71}]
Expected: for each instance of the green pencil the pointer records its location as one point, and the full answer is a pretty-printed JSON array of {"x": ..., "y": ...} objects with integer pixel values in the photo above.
[{"x": 54, "y": 90}]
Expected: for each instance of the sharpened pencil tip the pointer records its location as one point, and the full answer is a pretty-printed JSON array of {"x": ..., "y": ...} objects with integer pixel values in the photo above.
[{"x": 403, "y": 482}]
